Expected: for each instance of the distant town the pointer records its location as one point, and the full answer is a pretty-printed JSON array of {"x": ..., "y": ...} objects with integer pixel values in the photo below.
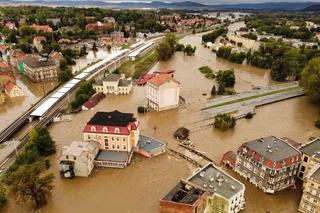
[{"x": 159, "y": 110}]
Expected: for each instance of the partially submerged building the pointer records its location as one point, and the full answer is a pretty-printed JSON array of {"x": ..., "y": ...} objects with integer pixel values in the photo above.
[
  {"x": 270, "y": 163},
  {"x": 150, "y": 147},
  {"x": 114, "y": 84},
  {"x": 310, "y": 157},
  {"x": 78, "y": 158},
  {"x": 39, "y": 70},
  {"x": 117, "y": 134},
  {"x": 13, "y": 90},
  {"x": 310, "y": 200},
  {"x": 163, "y": 92},
  {"x": 185, "y": 197},
  {"x": 226, "y": 194}
]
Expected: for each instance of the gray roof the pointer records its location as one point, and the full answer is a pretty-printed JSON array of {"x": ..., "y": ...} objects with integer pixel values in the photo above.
[
  {"x": 124, "y": 82},
  {"x": 272, "y": 148},
  {"x": 216, "y": 181},
  {"x": 112, "y": 77},
  {"x": 35, "y": 63},
  {"x": 314, "y": 173},
  {"x": 148, "y": 144},
  {"x": 109, "y": 155},
  {"x": 311, "y": 148}
]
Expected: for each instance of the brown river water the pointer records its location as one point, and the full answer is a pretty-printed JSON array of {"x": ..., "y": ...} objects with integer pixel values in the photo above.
[{"x": 138, "y": 188}]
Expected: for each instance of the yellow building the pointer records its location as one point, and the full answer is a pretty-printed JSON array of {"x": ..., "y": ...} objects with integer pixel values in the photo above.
[
  {"x": 310, "y": 157},
  {"x": 2, "y": 98},
  {"x": 12, "y": 90},
  {"x": 310, "y": 201}
]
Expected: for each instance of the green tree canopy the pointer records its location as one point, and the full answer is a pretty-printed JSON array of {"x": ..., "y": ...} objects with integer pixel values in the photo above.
[{"x": 310, "y": 79}]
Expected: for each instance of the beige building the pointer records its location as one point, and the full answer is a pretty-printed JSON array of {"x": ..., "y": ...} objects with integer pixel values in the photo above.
[
  {"x": 37, "y": 42},
  {"x": 2, "y": 98},
  {"x": 13, "y": 90},
  {"x": 310, "y": 157},
  {"x": 78, "y": 158},
  {"x": 163, "y": 92},
  {"x": 310, "y": 200},
  {"x": 114, "y": 84},
  {"x": 39, "y": 70}
]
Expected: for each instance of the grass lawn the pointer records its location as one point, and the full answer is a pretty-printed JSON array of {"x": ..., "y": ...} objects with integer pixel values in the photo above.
[{"x": 251, "y": 97}]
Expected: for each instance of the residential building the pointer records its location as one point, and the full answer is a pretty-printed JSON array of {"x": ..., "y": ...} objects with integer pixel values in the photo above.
[
  {"x": 37, "y": 42},
  {"x": 4, "y": 67},
  {"x": 93, "y": 101},
  {"x": 185, "y": 197},
  {"x": 14, "y": 56},
  {"x": 270, "y": 163},
  {"x": 39, "y": 70},
  {"x": 310, "y": 200},
  {"x": 98, "y": 27},
  {"x": 117, "y": 134},
  {"x": 150, "y": 147},
  {"x": 13, "y": 90},
  {"x": 310, "y": 157},
  {"x": 163, "y": 92},
  {"x": 226, "y": 194},
  {"x": 11, "y": 25},
  {"x": 54, "y": 21},
  {"x": 56, "y": 57},
  {"x": 44, "y": 28},
  {"x": 78, "y": 158},
  {"x": 114, "y": 84}
]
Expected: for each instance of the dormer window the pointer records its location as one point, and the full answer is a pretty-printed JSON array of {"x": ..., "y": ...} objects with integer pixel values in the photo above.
[
  {"x": 117, "y": 130},
  {"x": 105, "y": 129},
  {"x": 93, "y": 129}
]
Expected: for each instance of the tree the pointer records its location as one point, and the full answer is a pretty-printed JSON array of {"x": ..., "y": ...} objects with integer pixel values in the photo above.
[
  {"x": 94, "y": 47},
  {"x": 3, "y": 195},
  {"x": 164, "y": 51},
  {"x": 280, "y": 70},
  {"x": 189, "y": 50},
  {"x": 310, "y": 79},
  {"x": 41, "y": 140},
  {"x": 12, "y": 37},
  {"x": 29, "y": 184},
  {"x": 224, "y": 121},
  {"x": 317, "y": 123},
  {"x": 226, "y": 78},
  {"x": 213, "y": 90}
]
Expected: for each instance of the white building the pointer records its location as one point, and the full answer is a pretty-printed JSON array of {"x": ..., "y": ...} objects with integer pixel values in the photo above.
[
  {"x": 226, "y": 194},
  {"x": 78, "y": 158},
  {"x": 163, "y": 92},
  {"x": 114, "y": 84}
]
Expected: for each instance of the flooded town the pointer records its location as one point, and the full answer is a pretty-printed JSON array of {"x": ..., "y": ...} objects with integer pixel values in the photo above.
[{"x": 225, "y": 120}]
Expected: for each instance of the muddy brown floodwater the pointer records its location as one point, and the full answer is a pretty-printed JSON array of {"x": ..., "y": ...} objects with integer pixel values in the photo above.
[{"x": 138, "y": 188}]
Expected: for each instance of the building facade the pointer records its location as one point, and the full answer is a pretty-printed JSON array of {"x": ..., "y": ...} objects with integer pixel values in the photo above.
[
  {"x": 114, "y": 84},
  {"x": 13, "y": 90},
  {"x": 39, "y": 70},
  {"x": 310, "y": 157},
  {"x": 270, "y": 163},
  {"x": 162, "y": 92},
  {"x": 310, "y": 200},
  {"x": 78, "y": 158},
  {"x": 37, "y": 42},
  {"x": 226, "y": 194}
]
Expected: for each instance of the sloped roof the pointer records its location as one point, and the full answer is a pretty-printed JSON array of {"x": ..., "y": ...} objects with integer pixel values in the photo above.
[
  {"x": 9, "y": 86},
  {"x": 162, "y": 79},
  {"x": 114, "y": 118}
]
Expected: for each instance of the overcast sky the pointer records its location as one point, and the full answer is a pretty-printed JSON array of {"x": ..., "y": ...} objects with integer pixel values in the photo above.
[{"x": 219, "y": 1}]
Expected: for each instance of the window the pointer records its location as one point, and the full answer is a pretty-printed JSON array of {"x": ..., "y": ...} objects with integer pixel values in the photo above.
[
  {"x": 124, "y": 147},
  {"x": 106, "y": 145},
  {"x": 113, "y": 147},
  {"x": 118, "y": 146},
  {"x": 105, "y": 129},
  {"x": 88, "y": 137},
  {"x": 117, "y": 130},
  {"x": 93, "y": 129},
  {"x": 305, "y": 159},
  {"x": 67, "y": 157},
  {"x": 74, "y": 158},
  {"x": 303, "y": 168}
]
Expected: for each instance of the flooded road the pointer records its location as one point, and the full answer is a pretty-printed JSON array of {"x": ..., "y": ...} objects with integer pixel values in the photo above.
[{"x": 138, "y": 188}]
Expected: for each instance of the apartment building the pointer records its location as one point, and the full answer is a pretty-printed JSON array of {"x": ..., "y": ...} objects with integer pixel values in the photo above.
[
  {"x": 39, "y": 70},
  {"x": 270, "y": 163},
  {"x": 310, "y": 157},
  {"x": 114, "y": 84}
]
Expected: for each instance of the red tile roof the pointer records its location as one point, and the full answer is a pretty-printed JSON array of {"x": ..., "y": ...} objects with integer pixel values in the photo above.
[
  {"x": 229, "y": 158},
  {"x": 3, "y": 65},
  {"x": 45, "y": 28},
  {"x": 162, "y": 79},
  {"x": 9, "y": 86}
]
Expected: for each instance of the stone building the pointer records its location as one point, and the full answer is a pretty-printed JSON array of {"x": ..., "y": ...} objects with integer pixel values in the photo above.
[
  {"x": 270, "y": 163},
  {"x": 39, "y": 70}
]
